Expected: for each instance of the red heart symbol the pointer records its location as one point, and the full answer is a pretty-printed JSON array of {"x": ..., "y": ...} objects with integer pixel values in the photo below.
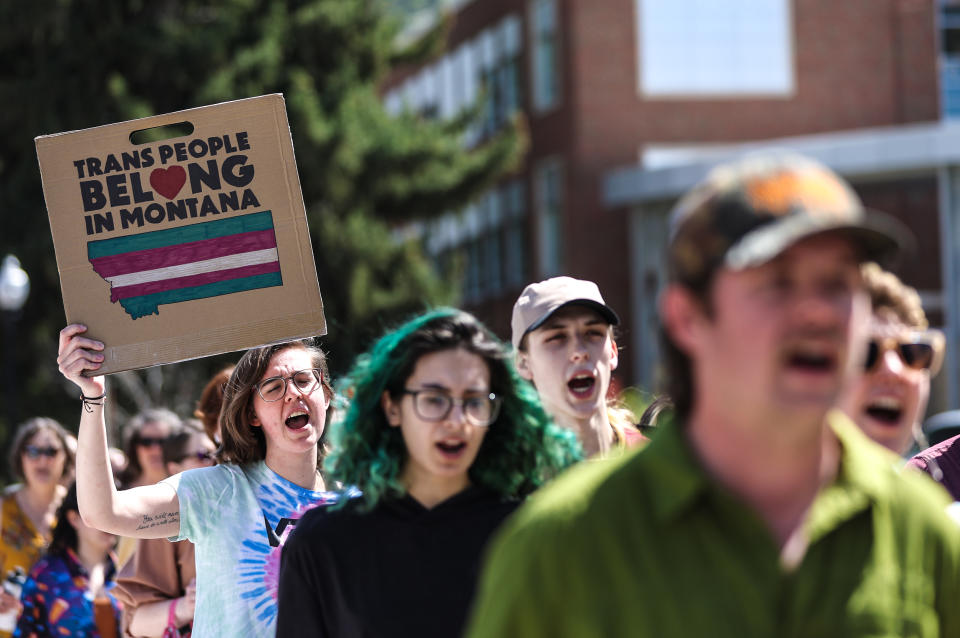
[{"x": 168, "y": 181}]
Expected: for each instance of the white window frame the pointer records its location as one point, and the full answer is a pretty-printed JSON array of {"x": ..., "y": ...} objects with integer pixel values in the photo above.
[{"x": 786, "y": 85}]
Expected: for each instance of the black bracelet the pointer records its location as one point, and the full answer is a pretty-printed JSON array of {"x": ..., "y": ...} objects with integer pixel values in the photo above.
[{"x": 89, "y": 401}]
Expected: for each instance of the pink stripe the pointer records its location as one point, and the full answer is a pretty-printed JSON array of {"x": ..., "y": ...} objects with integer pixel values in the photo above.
[
  {"x": 140, "y": 260},
  {"x": 124, "y": 292}
]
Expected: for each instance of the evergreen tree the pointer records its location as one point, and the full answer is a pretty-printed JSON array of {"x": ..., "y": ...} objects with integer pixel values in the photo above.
[{"x": 72, "y": 65}]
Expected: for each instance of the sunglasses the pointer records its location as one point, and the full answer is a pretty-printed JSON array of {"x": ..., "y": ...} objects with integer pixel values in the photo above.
[
  {"x": 918, "y": 351},
  {"x": 35, "y": 451},
  {"x": 150, "y": 441}
]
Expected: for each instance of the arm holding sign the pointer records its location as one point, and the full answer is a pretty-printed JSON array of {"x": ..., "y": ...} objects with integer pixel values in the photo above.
[{"x": 151, "y": 511}]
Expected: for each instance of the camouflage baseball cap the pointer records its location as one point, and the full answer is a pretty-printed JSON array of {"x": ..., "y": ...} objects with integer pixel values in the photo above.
[{"x": 747, "y": 212}]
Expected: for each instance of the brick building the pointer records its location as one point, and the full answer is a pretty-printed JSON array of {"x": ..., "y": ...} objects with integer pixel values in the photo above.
[{"x": 628, "y": 102}]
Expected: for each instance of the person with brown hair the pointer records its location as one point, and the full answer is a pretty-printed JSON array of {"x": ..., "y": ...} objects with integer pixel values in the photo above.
[
  {"x": 237, "y": 513},
  {"x": 211, "y": 401},
  {"x": 888, "y": 400},
  {"x": 69, "y": 590},
  {"x": 143, "y": 438},
  {"x": 157, "y": 586},
  {"x": 40, "y": 456},
  {"x": 441, "y": 441},
  {"x": 564, "y": 343},
  {"x": 759, "y": 510}
]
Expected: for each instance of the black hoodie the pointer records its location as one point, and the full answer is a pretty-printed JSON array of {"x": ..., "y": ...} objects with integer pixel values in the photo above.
[{"x": 399, "y": 570}]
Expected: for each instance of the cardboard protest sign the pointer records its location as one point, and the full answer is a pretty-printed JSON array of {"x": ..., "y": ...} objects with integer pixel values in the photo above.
[{"x": 184, "y": 247}]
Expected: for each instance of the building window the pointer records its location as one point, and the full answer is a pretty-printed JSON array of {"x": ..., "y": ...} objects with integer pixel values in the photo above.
[
  {"x": 545, "y": 58},
  {"x": 393, "y": 103},
  {"x": 473, "y": 289},
  {"x": 492, "y": 244},
  {"x": 950, "y": 57},
  {"x": 486, "y": 71},
  {"x": 448, "y": 98},
  {"x": 499, "y": 52},
  {"x": 548, "y": 188},
  {"x": 506, "y": 78},
  {"x": 515, "y": 249},
  {"x": 487, "y": 240},
  {"x": 443, "y": 90},
  {"x": 709, "y": 48},
  {"x": 430, "y": 79}
]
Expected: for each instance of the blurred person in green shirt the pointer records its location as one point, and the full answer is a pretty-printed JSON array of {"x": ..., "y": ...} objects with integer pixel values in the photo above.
[{"x": 760, "y": 510}]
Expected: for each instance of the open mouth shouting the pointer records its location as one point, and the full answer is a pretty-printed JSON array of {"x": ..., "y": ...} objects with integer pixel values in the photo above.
[
  {"x": 297, "y": 420},
  {"x": 582, "y": 385},
  {"x": 885, "y": 410},
  {"x": 812, "y": 358},
  {"x": 811, "y": 361},
  {"x": 451, "y": 449}
]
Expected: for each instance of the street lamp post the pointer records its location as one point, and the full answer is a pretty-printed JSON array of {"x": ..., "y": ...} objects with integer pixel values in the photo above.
[{"x": 14, "y": 289}]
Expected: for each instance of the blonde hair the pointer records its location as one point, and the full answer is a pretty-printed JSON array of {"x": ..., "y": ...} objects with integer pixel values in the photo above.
[{"x": 621, "y": 419}]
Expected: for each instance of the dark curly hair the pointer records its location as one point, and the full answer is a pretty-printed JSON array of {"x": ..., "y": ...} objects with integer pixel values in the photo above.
[{"x": 522, "y": 449}]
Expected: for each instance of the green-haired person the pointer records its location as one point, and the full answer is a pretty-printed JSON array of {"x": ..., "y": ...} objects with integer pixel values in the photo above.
[{"x": 443, "y": 439}]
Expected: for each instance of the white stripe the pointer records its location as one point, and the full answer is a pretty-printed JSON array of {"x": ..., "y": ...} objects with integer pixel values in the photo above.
[{"x": 196, "y": 268}]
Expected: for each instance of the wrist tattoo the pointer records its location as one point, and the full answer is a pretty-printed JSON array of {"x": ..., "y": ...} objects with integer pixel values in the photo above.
[{"x": 159, "y": 519}]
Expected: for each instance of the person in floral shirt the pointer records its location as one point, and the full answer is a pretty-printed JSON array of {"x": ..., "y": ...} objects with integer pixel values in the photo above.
[{"x": 68, "y": 591}]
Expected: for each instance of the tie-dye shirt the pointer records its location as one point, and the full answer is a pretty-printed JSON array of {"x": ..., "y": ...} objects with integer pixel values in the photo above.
[{"x": 238, "y": 518}]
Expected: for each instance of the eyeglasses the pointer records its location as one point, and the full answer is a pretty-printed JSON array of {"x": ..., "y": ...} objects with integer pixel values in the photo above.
[
  {"x": 150, "y": 441},
  {"x": 435, "y": 405},
  {"x": 36, "y": 451},
  {"x": 918, "y": 351},
  {"x": 273, "y": 389}
]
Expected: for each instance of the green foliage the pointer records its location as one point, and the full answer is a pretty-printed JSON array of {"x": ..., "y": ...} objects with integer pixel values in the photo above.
[{"x": 72, "y": 64}]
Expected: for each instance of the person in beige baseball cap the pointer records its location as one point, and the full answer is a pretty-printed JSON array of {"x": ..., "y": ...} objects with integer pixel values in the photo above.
[{"x": 563, "y": 336}]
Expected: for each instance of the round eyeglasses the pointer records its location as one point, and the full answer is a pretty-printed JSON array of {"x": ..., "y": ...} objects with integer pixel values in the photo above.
[
  {"x": 435, "y": 405},
  {"x": 306, "y": 381}
]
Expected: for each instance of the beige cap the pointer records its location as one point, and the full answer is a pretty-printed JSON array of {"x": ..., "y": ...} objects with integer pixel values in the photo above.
[{"x": 540, "y": 300}]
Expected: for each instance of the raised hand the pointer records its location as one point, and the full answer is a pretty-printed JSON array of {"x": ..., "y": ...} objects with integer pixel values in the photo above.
[{"x": 76, "y": 354}]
